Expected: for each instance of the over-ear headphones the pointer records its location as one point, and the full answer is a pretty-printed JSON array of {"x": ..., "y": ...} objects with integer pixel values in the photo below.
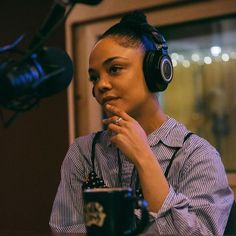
[{"x": 157, "y": 64}]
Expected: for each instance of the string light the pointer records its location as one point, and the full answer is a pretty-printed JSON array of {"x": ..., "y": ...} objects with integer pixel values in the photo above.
[
  {"x": 207, "y": 60},
  {"x": 197, "y": 57},
  {"x": 225, "y": 57},
  {"x": 215, "y": 51},
  {"x": 174, "y": 62}
]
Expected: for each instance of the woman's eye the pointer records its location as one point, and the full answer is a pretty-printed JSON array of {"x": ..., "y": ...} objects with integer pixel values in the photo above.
[
  {"x": 115, "y": 69},
  {"x": 93, "y": 78}
]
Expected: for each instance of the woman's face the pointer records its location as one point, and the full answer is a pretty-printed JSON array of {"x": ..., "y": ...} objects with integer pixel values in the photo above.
[{"x": 117, "y": 76}]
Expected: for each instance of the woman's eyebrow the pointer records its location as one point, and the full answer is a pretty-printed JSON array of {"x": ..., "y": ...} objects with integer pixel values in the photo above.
[{"x": 107, "y": 62}]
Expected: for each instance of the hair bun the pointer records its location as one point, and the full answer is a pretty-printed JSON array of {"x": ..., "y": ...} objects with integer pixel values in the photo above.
[{"x": 134, "y": 18}]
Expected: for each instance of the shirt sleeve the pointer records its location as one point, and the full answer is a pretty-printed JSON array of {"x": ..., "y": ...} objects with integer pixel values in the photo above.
[
  {"x": 67, "y": 210},
  {"x": 201, "y": 202}
]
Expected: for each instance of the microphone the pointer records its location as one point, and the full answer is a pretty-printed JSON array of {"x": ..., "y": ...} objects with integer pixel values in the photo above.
[
  {"x": 57, "y": 14},
  {"x": 42, "y": 71},
  {"x": 43, "y": 74}
]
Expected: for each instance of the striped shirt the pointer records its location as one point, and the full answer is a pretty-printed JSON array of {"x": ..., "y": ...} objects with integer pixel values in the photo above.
[{"x": 199, "y": 198}]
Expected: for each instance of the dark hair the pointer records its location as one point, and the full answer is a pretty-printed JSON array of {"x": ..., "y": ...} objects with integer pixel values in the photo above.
[{"x": 132, "y": 31}]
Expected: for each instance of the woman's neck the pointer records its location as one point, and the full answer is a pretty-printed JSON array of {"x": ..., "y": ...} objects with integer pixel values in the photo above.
[{"x": 152, "y": 118}]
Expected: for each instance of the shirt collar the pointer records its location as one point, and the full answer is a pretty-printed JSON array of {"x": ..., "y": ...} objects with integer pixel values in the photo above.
[{"x": 171, "y": 133}]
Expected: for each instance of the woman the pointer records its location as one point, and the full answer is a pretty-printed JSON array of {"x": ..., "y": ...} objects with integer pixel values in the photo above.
[{"x": 180, "y": 175}]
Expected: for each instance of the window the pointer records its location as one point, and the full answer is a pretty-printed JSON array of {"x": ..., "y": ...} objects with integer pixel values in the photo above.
[{"x": 202, "y": 94}]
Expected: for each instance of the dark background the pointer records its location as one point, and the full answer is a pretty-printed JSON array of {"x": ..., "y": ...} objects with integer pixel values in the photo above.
[{"x": 33, "y": 147}]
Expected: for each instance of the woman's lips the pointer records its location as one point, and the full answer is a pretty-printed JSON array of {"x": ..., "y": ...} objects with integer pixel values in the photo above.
[{"x": 107, "y": 100}]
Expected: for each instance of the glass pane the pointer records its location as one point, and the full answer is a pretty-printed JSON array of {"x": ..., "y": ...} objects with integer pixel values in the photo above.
[{"x": 203, "y": 92}]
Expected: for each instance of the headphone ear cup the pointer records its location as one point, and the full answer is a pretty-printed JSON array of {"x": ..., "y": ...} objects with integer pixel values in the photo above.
[{"x": 158, "y": 70}]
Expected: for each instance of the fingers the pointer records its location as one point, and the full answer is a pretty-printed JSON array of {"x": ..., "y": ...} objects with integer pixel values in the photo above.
[
  {"x": 117, "y": 112},
  {"x": 116, "y": 120},
  {"x": 119, "y": 117},
  {"x": 114, "y": 125},
  {"x": 118, "y": 123}
]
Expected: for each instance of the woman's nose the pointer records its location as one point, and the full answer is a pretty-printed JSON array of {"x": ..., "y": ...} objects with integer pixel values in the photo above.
[{"x": 103, "y": 83}]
